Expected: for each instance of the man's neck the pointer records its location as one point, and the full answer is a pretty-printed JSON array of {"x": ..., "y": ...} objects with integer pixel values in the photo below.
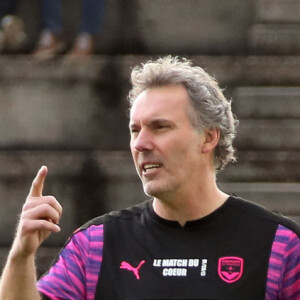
[{"x": 183, "y": 208}]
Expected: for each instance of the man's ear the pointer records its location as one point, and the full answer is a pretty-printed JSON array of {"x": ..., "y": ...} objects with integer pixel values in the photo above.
[{"x": 212, "y": 136}]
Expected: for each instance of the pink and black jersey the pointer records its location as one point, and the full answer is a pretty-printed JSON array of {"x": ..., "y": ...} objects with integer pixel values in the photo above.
[{"x": 240, "y": 251}]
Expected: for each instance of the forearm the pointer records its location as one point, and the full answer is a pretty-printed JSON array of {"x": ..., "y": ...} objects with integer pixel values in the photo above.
[{"x": 18, "y": 280}]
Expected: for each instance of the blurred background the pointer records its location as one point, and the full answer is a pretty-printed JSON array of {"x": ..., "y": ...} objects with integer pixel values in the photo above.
[{"x": 63, "y": 99}]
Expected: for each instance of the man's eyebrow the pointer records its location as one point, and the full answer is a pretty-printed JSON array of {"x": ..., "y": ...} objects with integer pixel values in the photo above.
[
  {"x": 161, "y": 121},
  {"x": 151, "y": 122}
]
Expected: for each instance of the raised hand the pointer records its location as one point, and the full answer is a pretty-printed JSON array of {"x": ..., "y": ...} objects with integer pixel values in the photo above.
[{"x": 40, "y": 216}]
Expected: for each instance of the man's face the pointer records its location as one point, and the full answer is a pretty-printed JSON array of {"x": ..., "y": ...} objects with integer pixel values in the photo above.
[{"x": 166, "y": 148}]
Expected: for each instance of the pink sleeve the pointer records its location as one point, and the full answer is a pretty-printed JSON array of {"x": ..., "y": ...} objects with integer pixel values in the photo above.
[
  {"x": 283, "y": 281},
  {"x": 75, "y": 274}
]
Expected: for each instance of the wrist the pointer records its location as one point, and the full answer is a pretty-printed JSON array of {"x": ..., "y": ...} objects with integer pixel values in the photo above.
[{"x": 17, "y": 255}]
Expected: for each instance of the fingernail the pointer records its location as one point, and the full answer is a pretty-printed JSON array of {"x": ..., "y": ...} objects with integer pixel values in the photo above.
[{"x": 42, "y": 169}]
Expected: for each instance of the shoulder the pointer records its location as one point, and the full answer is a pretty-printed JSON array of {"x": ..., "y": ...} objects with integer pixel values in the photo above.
[
  {"x": 124, "y": 214},
  {"x": 92, "y": 232},
  {"x": 286, "y": 242},
  {"x": 261, "y": 213}
]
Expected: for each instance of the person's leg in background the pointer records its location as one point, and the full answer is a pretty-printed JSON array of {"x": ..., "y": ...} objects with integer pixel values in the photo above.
[
  {"x": 90, "y": 25},
  {"x": 51, "y": 42},
  {"x": 12, "y": 34},
  {"x": 7, "y": 7}
]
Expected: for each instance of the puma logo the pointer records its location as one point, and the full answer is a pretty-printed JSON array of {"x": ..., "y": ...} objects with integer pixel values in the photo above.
[{"x": 125, "y": 265}]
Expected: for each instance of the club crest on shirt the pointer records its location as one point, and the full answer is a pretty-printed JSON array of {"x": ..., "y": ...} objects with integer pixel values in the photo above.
[{"x": 230, "y": 268}]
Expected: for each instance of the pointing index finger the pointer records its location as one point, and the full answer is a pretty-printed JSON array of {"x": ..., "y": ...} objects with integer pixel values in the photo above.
[{"x": 37, "y": 186}]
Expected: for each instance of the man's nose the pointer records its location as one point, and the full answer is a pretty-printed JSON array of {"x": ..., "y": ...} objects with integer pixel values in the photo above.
[{"x": 143, "y": 141}]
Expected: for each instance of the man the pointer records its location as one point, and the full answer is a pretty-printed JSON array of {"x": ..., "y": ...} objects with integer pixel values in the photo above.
[{"x": 191, "y": 240}]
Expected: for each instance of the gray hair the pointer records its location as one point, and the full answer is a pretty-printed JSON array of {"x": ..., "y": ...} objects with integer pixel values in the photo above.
[{"x": 210, "y": 107}]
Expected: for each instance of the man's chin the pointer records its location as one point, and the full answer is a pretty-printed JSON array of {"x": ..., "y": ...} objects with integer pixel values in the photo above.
[
  {"x": 150, "y": 190},
  {"x": 149, "y": 193},
  {"x": 153, "y": 190}
]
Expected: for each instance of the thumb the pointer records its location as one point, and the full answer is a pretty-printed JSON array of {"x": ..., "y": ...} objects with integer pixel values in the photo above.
[{"x": 37, "y": 186}]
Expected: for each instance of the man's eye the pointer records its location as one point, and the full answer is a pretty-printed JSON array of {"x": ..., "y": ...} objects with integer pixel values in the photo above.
[
  {"x": 162, "y": 126},
  {"x": 134, "y": 131}
]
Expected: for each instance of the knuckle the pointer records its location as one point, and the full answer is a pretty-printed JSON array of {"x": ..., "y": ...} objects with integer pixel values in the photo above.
[
  {"x": 25, "y": 225},
  {"x": 28, "y": 204},
  {"x": 29, "y": 201},
  {"x": 45, "y": 208},
  {"x": 47, "y": 211},
  {"x": 51, "y": 199},
  {"x": 55, "y": 204},
  {"x": 25, "y": 206}
]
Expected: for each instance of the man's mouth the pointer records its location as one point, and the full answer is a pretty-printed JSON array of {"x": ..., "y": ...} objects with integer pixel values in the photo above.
[{"x": 147, "y": 167}]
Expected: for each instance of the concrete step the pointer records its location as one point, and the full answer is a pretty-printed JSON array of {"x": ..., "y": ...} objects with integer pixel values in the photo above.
[
  {"x": 53, "y": 110},
  {"x": 56, "y": 106},
  {"x": 77, "y": 119},
  {"x": 212, "y": 25},
  {"x": 252, "y": 70},
  {"x": 280, "y": 197},
  {"x": 275, "y": 39},
  {"x": 267, "y": 102},
  {"x": 263, "y": 166},
  {"x": 278, "y": 11},
  {"x": 268, "y": 135},
  {"x": 102, "y": 70}
]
